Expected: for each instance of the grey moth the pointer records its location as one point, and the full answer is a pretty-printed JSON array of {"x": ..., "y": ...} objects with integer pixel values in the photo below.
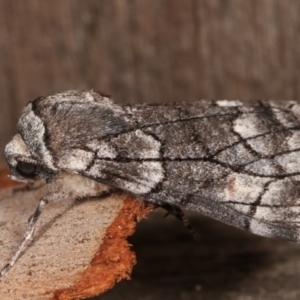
[{"x": 237, "y": 162}]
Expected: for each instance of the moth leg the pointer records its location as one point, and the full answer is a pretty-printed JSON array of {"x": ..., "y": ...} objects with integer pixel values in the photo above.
[
  {"x": 178, "y": 213},
  {"x": 29, "y": 232}
]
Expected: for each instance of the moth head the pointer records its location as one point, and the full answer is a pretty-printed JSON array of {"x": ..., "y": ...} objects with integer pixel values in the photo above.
[{"x": 22, "y": 165}]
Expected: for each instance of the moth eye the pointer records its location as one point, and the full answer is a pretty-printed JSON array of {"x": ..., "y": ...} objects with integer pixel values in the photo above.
[{"x": 26, "y": 169}]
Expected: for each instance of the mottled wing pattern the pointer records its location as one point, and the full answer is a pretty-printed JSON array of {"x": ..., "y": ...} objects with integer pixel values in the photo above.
[{"x": 238, "y": 163}]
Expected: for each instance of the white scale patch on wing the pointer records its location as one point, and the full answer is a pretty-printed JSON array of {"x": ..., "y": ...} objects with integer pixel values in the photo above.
[
  {"x": 290, "y": 162},
  {"x": 273, "y": 214},
  {"x": 244, "y": 209},
  {"x": 278, "y": 193},
  {"x": 150, "y": 174},
  {"x": 262, "y": 166},
  {"x": 76, "y": 159},
  {"x": 231, "y": 103},
  {"x": 106, "y": 151},
  {"x": 135, "y": 145},
  {"x": 259, "y": 228},
  {"x": 152, "y": 146},
  {"x": 231, "y": 154},
  {"x": 260, "y": 144},
  {"x": 140, "y": 178},
  {"x": 103, "y": 149},
  {"x": 247, "y": 126},
  {"x": 136, "y": 175},
  {"x": 244, "y": 188},
  {"x": 294, "y": 140}
]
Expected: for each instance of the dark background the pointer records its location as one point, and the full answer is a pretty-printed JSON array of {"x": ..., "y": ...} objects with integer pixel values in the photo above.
[
  {"x": 147, "y": 50},
  {"x": 154, "y": 51}
]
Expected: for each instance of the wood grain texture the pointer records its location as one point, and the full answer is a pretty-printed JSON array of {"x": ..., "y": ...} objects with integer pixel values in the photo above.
[
  {"x": 78, "y": 251},
  {"x": 144, "y": 50}
]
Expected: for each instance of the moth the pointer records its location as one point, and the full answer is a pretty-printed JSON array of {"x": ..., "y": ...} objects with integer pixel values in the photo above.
[{"x": 237, "y": 162}]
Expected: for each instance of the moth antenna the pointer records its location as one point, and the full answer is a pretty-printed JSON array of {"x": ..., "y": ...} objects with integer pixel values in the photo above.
[
  {"x": 178, "y": 213},
  {"x": 28, "y": 234}
]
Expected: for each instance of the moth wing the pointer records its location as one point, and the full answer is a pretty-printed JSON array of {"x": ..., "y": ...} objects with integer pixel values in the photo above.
[
  {"x": 246, "y": 171},
  {"x": 129, "y": 161},
  {"x": 274, "y": 222},
  {"x": 265, "y": 206}
]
